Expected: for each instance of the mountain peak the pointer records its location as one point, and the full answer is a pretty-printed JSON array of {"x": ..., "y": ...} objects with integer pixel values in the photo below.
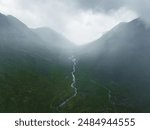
[
  {"x": 139, "y": 22},
  {"x": 47, "y": 33},
  {"x": 3, "y": 20},
  {"x": 16, "y": 22},
  {"x": 7, "y": 21}
]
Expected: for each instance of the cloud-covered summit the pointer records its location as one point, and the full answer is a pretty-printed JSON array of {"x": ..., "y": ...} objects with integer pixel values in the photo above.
[{"x": 79, "y": 20}]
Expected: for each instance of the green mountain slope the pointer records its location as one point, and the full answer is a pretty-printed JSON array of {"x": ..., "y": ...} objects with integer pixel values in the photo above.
[{"x": 32, "y": 77}]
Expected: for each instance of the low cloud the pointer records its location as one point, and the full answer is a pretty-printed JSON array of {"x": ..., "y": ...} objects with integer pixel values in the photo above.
[{"x": 79, "y": 20}]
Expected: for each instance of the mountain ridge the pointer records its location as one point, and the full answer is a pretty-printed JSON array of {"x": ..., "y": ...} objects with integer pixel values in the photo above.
[{"x": 112, "y": 73}]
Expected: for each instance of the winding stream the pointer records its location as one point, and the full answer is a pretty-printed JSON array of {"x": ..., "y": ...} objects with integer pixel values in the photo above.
[
  {"x": 109, "y": 93},
  {"x": 75, "y": 91},
  {"x": 73, "y": 59}
]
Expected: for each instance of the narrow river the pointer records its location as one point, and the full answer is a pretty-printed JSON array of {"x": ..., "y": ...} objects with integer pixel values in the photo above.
[{"x": 73, "y": 59}]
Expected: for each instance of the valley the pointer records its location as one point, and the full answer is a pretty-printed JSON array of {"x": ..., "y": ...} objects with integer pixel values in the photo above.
[{"x": 41, "y": 71}]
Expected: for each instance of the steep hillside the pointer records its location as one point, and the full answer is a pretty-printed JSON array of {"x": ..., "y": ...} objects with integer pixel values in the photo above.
[
  {"x": 32, "y": 77},
  {"x": 120, "y": 62}
]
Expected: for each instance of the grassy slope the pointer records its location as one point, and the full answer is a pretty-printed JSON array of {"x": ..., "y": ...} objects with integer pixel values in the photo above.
[
  {"x": 93, "y": 95},
  {"x": 30, "y": 83}
]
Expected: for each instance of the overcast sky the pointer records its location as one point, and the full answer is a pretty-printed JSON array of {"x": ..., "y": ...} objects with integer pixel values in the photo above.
[{"x": 81, "y": 21}]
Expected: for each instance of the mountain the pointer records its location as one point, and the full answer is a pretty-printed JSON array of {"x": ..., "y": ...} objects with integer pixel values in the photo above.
[
  {"x": 14, "y": 30},
  {"x": 39, "y": 68},
  {"x": 33, "y": 76},
  {"x": 125, "y": 46},
  {"x": 49, "y": 35},
  {"x": 119, "y": 61},
  {"x": 55, "y": 42}
]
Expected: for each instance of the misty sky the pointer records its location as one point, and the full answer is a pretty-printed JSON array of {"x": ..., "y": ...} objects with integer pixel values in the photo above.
[{"x": 81, "y": 21}]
